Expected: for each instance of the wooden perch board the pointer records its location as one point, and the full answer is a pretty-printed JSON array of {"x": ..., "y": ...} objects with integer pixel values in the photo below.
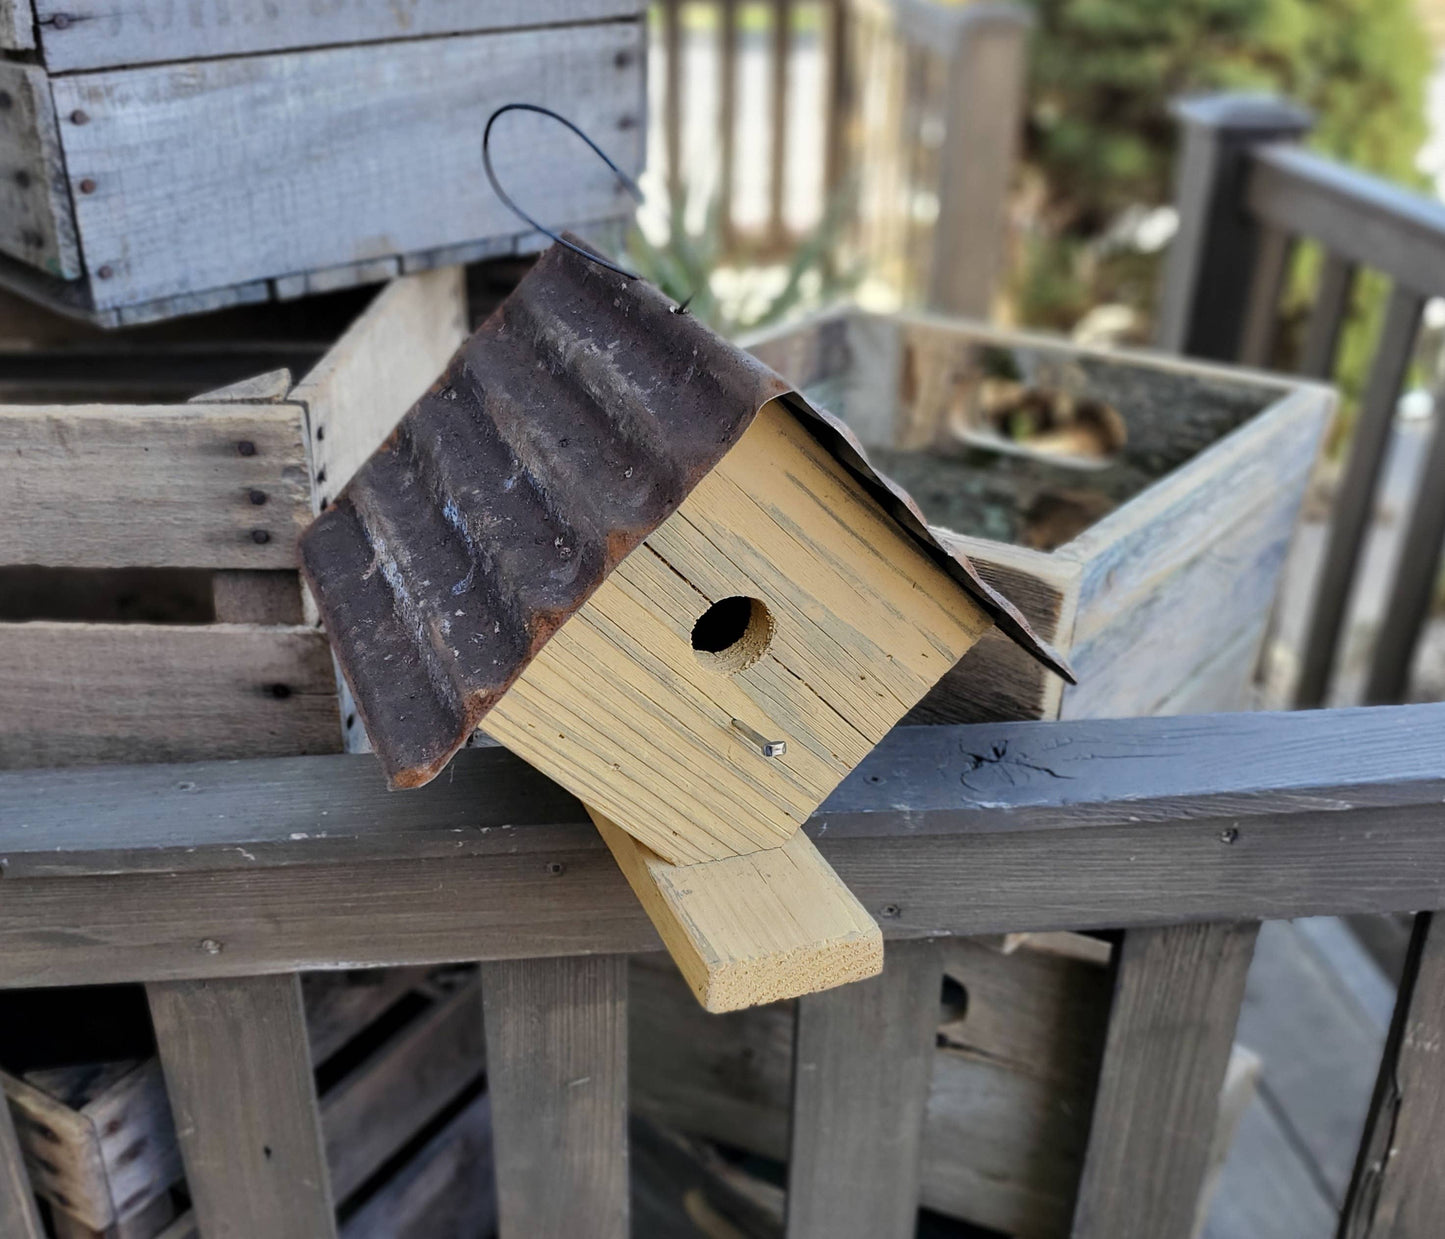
[{"x": 753, "y": 929}]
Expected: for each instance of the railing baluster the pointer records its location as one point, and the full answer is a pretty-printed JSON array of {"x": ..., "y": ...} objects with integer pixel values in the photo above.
[
  {"x": 1327, "y": 318},
  {"x": 728, "y": 115},
  {"x": 778, "y": 179},
  {"x": 19, "y": 1218},
  {"x": 1355, "y": 501},
  {"x": 862, "y": 1064},
  {"x": 1176, "y": 1003},
  {"x": 1415, "y": 577},
  {"x": 557, "y": 1072},
  {"x": 672, "y": 115},
  {"x": 1261, "y": 315},
  {"x": 1397, "y": 1191},
  {"x": 238, "y": 1071},
  {"x": 840, "y": 96}
]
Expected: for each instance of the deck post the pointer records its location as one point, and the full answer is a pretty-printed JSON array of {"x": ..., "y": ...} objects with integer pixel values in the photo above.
[{"x": 1208, "y": 275}]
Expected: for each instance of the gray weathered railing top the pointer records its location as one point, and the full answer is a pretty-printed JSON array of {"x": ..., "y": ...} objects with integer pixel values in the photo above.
[{"x": 228, "y": 868}]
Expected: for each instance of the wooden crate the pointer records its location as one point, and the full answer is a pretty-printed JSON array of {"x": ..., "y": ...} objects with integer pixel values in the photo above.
[
  {"x": 399, "y": 1056},
  {"x": 164, "y": 160},
  {"x": 151, "y": 608},
  {"x": 1152, "y": 569},
  {"x": 1021, "y": 1035}
]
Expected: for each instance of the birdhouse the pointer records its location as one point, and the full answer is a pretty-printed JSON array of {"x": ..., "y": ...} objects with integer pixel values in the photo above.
[{"x": 623, "y": 548}]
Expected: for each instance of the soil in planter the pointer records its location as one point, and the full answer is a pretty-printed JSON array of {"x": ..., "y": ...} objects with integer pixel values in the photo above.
[{"x": 1031, "y": 446}]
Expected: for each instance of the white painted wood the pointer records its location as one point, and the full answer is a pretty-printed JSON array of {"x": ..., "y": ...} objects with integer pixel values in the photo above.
[
  {"x": 101, "y": 33},
  {"x": 370, "y": 377},
  {"x": 215, "y": 172},
  {"x": 36, "y": 224}
]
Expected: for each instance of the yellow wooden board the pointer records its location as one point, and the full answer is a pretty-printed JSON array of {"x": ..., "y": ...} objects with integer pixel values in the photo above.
[{"x": 752, "y": 929}]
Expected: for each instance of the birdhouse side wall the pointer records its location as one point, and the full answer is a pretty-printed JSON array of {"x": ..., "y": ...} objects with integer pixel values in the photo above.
[{"x": 849, "y": 623}]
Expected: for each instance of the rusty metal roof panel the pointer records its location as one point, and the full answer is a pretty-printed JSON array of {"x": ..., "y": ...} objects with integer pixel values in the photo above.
[{"x": 568, "y": 428}]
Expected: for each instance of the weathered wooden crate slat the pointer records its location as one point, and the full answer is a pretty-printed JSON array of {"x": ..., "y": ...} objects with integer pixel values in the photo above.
[
  {"x": 281, "y": 153},
  {"x": 104, "y": 1153},
  {"x": 223, "y": 487},
  {"x": 1141, "y": 566},
  {"x": 95, "y": 34}
]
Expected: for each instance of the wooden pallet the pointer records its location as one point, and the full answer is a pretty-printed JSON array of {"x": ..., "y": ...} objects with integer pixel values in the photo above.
[
  {"x": 167, "y": 165},
  {"x": 129, "y": 517},
  {"x": 399, "y": 1056}
]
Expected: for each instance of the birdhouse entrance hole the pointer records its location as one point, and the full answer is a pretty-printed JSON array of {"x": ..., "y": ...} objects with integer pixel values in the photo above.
[{"x": 732, "y": 634}]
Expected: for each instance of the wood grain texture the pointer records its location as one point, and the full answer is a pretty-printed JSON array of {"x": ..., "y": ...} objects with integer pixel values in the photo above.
[
  {"x": 1396, "y": 1192},
  {"x": 859, "y": 623},
  {"x": 752, "y": 929},
  {"x": 1007, "y": 1114},
  {"x": 103, "y": 486},
  {"x": 1154, "y": 571},
  {"x": 18, "y": 1215},
  {"x": 863, "y": 1062},
  {"x": 987, "y": 829},
  {"x": 1176, "y": 1003},
  {"x": 35, "y": 206},
  {"x": 407, "y": 1082},
  {"x": 269, "y": 388},
  {"x": 557, "y": 1077},
  {"x": 369, "y": 378},
  {"x": 79, "y": 694},
  {"x": 443, "y": 1190},
  {"x": 996, "y": 680},
  {"x": 335, "y": 157},
  {"x": 256, "y": 597},
  {"x": 239, "y": 1077},
  {"x": 102, "y": 33}
]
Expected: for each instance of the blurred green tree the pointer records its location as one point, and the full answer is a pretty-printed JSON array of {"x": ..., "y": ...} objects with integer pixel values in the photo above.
[{"x": 1100, "y": 141}]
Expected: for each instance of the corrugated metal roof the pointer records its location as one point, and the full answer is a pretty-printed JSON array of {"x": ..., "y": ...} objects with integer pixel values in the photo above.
[{"x": 568, "y": 428}]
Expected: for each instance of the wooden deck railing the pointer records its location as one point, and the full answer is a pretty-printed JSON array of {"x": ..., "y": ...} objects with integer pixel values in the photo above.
[
  {"x": 915, "y": 125},
  {"x": 1247, "y": 193},
  {"x": 216, "y": 882}
]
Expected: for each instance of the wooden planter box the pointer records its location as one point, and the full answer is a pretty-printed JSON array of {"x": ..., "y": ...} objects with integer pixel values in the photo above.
[
  {"x": 399, "y": 1055},
  {"x": 164, "y": 159},
  {"x": 1152, "y": 568},
  {"x": 151, "y": 609}
]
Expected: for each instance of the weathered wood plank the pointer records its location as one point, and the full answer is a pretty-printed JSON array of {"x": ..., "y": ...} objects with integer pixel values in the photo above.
[
  {"x": 959, "y": 830},
  {"x": 1176, "y": 1003},
  {"x": 1397, "y": 1191},
  {"x": 1217, "y": 527},
  {"x": 861, "y": 1074},
  {"x": 203, "y": 486},
  {"x": 18, "y": 1214},
  {"x": 406, "y": 1083},
  {"x": 443, "y": 1190},
  {"x": 997, "y": 680},
  {"x": 269, "y": 598},
  {"x": 80, "y": 694},
  {"x": 557, "y": 1076},
  {"x": 100, "y": 33},
  {"x": 342, "y": 148},
  {"x": 146, "y": 1223},
  {"x": 239, "y": 1077},
  {"x": 359, "y": 391},
  {"x": 1007, "y": 1115},
  {"x": 36, "y": 221}
]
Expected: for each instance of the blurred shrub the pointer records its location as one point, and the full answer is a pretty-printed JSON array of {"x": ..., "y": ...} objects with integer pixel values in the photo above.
[{"x": 1100, "y": 142}]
